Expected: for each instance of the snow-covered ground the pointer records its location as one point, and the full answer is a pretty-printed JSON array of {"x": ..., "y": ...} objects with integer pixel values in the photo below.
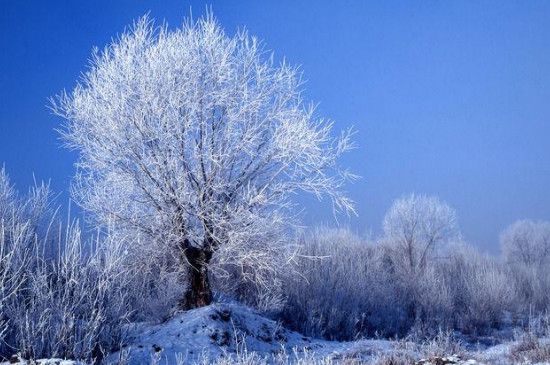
[
  {"x": 230, "y": 329},
  {"x": 215, "y": 331},
  {"x": 207, "y": 334}
]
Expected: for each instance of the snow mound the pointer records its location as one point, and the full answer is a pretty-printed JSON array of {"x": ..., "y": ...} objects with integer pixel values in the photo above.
[
  {"x": 206, "y": 334},
  {"x": 209, "y": 332}
]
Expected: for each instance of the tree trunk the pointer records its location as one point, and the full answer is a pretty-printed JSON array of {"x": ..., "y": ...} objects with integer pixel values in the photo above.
[{"x": 198, "y": 293}]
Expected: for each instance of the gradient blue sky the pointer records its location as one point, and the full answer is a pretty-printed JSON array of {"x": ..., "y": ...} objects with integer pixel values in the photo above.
[{"x": 450, "y": 98}]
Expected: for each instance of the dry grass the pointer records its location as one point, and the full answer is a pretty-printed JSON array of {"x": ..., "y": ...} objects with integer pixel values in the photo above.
[
  {"x": 295, "y": 358},
  {"x": 444, "y": 344},
  {"x": 530, "y": 349},
  {"x": 395, "y": 358}
]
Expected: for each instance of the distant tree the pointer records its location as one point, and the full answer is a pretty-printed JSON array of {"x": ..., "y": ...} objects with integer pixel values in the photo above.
[
  {"x": 415, "y": 229},
  {"x": 416, "y": 226},
  {"x": 199, "y": 142},
  {"x": 526, "y": 242}
]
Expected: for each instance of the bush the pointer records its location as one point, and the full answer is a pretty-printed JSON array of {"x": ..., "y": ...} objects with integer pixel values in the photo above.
[
  {"x": 481, "y": 289},
  {"x": 58, "y": 296},
  {"x": 532, "y": 287},
  {"x": 343, "y": 291},
  {"x": 69, "y": 305},
  {"x": 351, "y": 288}
]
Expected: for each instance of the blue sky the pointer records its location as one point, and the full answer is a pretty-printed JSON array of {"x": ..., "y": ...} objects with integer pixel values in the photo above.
[{"x": 448, "y": 98}]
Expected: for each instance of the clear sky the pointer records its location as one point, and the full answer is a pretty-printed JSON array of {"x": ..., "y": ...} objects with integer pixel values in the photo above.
[{"x": 450, "y": 98}]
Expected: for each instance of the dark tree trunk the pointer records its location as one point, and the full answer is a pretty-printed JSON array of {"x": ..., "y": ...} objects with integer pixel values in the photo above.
[{"x": 199, "y": 293}]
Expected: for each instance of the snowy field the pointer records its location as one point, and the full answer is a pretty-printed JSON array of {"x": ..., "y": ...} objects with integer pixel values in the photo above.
[{"x": 232, "y": 333}]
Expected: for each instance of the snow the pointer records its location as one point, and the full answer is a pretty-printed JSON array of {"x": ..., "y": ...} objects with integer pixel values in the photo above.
[
  {"x": 222, "y": 329},
  {"x": 225, "y": 329},
  {"x": 211, "y": 332},
  {"x": 229, "y": 329},
  {"x": 52, "y": 361}
]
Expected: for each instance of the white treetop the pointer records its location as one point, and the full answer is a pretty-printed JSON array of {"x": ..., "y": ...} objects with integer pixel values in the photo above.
[
  {"x": 417, "y": 226},
  {"x": 527, "y": 242}
]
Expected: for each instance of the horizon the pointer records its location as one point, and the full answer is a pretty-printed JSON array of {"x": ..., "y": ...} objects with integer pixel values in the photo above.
[{"x": 446, "y": 100}]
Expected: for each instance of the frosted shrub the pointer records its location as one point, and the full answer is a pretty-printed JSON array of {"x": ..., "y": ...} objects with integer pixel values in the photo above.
[
  {"x": 350, "y": 288},
  {"x": 526, "y": 248},
  {"x": 71, "y": 305},
  {"x": 343, "y": 292},
  {"x": 433, "y": 302},
  {"x": 533, "y": 286},
  {"x": 58, "y": 296},
  {"x": 481, "y": 288},
  {"x": 154, "y": 277}
]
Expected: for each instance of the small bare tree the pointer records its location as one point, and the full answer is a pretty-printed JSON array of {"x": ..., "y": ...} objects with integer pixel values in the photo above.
[
  {"x": 198, "y": 141},
  {"x": 416, "y": 226},
  {"x": 527, "y": 242}
]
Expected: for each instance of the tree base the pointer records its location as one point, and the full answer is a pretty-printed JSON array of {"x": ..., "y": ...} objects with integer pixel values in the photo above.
[{"x": 199, "y": 293}]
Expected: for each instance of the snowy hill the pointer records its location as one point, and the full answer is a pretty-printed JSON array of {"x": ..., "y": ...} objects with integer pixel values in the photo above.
[
  {"x": 229, "y": 330},
  {"x": 209, "y": 332},
  {"x": 221, "y": 330}
]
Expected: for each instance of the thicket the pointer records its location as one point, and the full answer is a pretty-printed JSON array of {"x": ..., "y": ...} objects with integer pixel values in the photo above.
[
  {"x": 66, "y": 297},
  {"x": 356, "y": 288}
]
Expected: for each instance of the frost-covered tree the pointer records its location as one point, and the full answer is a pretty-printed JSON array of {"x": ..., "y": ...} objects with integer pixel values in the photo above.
[
  {"x": 527, "y": 242},
  {"x": 416, "y": 226},
  {"x": 198, "y": 141}
]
